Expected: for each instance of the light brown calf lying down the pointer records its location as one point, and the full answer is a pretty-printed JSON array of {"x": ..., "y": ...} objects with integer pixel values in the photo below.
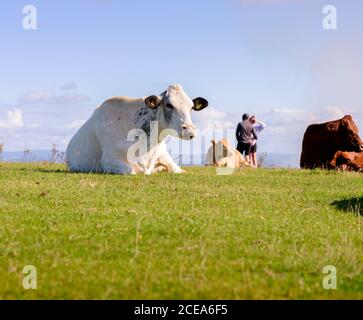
[
  {"x": 234, "y": 161},
  {"x": 218, "y": 150},
  {"x": 222, "y": 154},
  {"x": 352, "y": 161}
]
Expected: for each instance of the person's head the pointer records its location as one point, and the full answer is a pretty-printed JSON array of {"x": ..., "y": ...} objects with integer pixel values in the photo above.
[
  {"x": 253, "y": 119},
  {"x": 245, "y": 117}
]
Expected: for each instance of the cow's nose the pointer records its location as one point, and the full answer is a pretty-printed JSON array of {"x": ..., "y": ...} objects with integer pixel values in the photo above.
[
  {"x": 188, "y": 131},
  {"x": 186, "y": 126}
]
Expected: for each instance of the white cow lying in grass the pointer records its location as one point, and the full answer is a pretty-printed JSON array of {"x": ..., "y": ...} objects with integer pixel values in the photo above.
[{"x": 107, "y": 142}]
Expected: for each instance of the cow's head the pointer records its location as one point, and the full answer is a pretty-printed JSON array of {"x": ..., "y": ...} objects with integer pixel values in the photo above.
[
  {"x": 222, "y": 148},
  {"x": 174, "y": 109},
  {"x": 348, "y": 135}
]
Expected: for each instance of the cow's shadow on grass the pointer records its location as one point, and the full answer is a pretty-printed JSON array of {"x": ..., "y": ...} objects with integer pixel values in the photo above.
[
  {"x": 44, "y": 170},
  {"x": 350, "y": 205},
  {"x": 63, "y": 171}
]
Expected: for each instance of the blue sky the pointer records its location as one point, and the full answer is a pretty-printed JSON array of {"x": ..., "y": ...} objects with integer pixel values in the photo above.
[{"x": 271, "y": 58}]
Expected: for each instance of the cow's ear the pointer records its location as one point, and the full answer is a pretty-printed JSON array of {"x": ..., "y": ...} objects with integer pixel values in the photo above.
[
  {"x": 200, "y": 104},
  {"x": 347, "y": 119},
  {"x": 153, "y": 102}
]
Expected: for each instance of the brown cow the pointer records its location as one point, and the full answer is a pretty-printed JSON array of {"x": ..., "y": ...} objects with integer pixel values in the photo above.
[
  {"x": 352, "y": 161},
  {"x": 322, "y": 141}
]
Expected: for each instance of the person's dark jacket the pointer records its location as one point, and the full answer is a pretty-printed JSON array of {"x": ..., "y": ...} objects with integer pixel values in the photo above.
[{"x": 246, "y": 132}]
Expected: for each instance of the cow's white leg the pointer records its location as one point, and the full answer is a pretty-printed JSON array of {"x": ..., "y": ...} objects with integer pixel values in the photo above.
[
  {"x": 172, "y": 165},
  {"x": 152, "y": 158},
  {"x": 112, "y": 164},
  {"x": 151, "y": 167},
  {"x": 151, "y": 163}
]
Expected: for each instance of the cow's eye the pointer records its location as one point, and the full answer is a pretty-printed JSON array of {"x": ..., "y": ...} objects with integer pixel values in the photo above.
[{"x": 169, "y": 105}]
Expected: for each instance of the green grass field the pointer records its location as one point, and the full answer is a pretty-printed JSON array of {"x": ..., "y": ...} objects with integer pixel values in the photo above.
[{"x": 257, "y": 234}]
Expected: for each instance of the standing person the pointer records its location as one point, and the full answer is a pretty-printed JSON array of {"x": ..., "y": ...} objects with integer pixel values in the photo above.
[
  {"x": 245, "y": 135},
  {"x": 259, "y": 126}
]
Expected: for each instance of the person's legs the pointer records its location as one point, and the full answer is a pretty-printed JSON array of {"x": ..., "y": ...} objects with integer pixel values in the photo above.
[
  {"x": 254, "y": 159},
  {"x": 247, "y": 150},
  {"x": 254, "y": 155},
  {"x": 240, "y": 147}
]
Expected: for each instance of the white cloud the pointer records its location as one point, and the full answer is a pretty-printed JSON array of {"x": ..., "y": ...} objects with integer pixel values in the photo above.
[
  {"x": 36, "y": 96},
  {"x": 290, "y": 115},
  {"x": 14, "y": 120},
  {"x": 212, "y": 119},
  {"x": 335, "y": 112},
  {"x": 75, "y": 124},
  {"x": 52, "y": 97},
  {"x": 276, "y": 130}
]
